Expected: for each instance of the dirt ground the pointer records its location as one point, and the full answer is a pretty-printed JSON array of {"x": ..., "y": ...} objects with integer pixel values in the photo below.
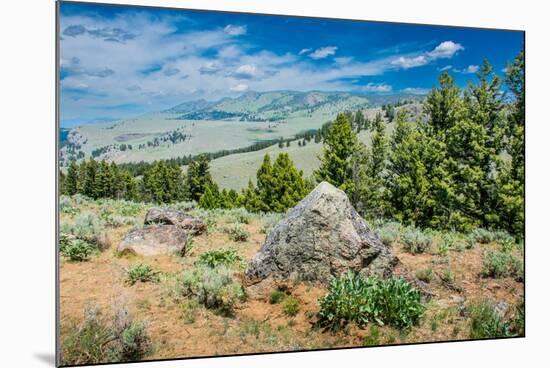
[{"x": 257, "y": 325}]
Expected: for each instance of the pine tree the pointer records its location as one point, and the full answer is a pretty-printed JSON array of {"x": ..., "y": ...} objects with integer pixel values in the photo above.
[
  {"x": 339, "y": 145},
  {"x": 198, "y": 177},
  {"x": 89, "y": 179},
  {"x": 408, "y": 187},
  {"x": 359, "y": 120},
  {"x": 511, "y": 178},
  {"x": 250, "y": 198},
  {"x": 70, "y": 185},
  {"x": 287, "y": 183},
  {"x": 163, "y": 183},
  {"x": 266, "y": 189},
  {"x": 211, "y": 197}
]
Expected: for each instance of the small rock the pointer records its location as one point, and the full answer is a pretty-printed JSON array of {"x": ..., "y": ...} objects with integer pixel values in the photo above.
[
  {"x": 154, "y": 240},
  {"x": 168, "y": 216}
]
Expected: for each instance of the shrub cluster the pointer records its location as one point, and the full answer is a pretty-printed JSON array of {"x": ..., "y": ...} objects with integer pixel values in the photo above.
[
  {"x": 352, "y": 298},
  {"x": 215, "y": 288},
  {"x": 97, "y": 341},
  {"x": 501, "y": 264},
  {"x": 415, "y": 241},
  {"x": 238, "y": 233}
]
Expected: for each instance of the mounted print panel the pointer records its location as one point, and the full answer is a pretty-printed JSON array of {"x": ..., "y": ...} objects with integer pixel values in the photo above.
[{"x": 233, "y": 183}]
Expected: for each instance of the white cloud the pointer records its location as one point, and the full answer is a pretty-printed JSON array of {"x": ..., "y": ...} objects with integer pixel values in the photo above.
[
  {"x": 445, "y": 50},
  {"x": 233, "y": 30},
  {"x": 323, "y": 52},
  {"x": 471, "y": 69},
  {"x": 415, "y": 90},
  {"x": 213, "y": 62},
  {"x": 343, "y": 60},
  {"x": 239, "y": 88},
  {"x": 380, "y": 87},
  {"x": 446, "y": 67},
  {"x": 410, "y": 62}
]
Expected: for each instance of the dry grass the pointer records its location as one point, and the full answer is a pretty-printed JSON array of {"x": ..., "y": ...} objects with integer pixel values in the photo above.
[{"x": 179, "y": 328}]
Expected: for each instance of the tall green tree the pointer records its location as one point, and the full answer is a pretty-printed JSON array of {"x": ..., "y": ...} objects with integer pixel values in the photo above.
[
  {"x": 70, "y": 186},
  {"x": 163, "y": 183},
  {"x": 198, "y": 177},
  {"x": 288, "y": 184},
  {"x": 340, "y": 143},
  {"x": 369, "y": 173},
  {"x": 511, "y": 178}
]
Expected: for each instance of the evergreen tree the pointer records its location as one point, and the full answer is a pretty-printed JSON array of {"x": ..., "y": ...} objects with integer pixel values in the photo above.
[
  {"x": 211, "y": 197},
  {"x": 511, "y": 178},
  {"x": 266, "y": 188},
  {"x": 339, "y": 145},
  {"x": 287, "y": 183},
  {"x": 408, "y": 187},
  {"x": 198, "y": 177},
  {"x": 70, "y": 185},
  {"x": 250, "y": 198},
  {"x": 163, "y": 183},
  {"x": 89, "y": 170}
]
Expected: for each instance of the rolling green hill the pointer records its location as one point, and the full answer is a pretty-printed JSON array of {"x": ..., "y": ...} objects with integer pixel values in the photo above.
[{"x": 204, "y": 126}]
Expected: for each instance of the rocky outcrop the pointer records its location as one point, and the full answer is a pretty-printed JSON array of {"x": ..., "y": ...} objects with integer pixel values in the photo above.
[
  {"x": 320, "y": 237},
  {"x": 154, "y": 240},
  {"x": 192, "y": 225}
]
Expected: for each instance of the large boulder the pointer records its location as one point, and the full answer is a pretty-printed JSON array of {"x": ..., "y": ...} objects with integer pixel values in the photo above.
[
  {"x": 322, "y": 236},
  {"x": 154, "y": 240},
  {"x": 168, "y": 216}
]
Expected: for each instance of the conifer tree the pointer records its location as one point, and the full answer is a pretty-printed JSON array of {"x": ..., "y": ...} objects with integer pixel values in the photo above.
[
  {"x": 210, "y": 198},
  {"x": 511, "y": 178},
  {"x": 266, "y": 188},
  {"x": 70, "y": 185},
  {"x": 287, "y": 184},
  {"x": 339, "y": 145},
  {"x": 198, "y": 177},
  {"x": 250, "y": 198}
]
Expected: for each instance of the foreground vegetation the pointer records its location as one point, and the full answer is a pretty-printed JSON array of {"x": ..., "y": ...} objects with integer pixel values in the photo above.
[{"x": 198, "y": 305}]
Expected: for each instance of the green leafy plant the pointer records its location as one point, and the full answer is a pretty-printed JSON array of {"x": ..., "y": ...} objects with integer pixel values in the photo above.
[
  {"x": 142, "y": 273},
  {"x": 76, "y": 250},
  {"x": 352, "y": 298},
  {"x": 217, "y": 257}
]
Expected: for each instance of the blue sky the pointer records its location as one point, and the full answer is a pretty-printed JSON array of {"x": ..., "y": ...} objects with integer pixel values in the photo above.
[{"x": 119, "y": 62}]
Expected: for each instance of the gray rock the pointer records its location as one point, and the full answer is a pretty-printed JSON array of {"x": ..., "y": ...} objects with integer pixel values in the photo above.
[
  {"x": 154, "y": 240},
  {"x": 168, "y": 216},
  {"x": 320, "y": 237}
]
